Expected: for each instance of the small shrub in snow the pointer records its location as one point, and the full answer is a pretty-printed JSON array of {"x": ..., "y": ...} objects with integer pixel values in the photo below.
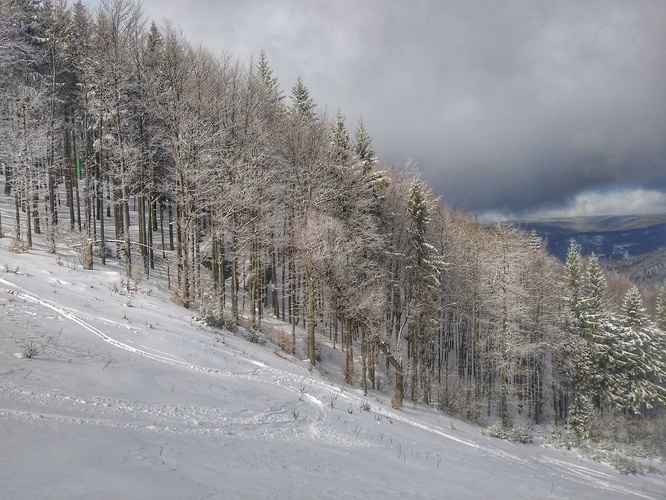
[
  {"x": 9, "y": 270},
  {"x": 138, "y": 277},
  {"x": 284, "y": 340},
  {"x": 31, "y": 350},
  {"x": 256, "y": 337},
  {"x": 82, "y": 245},
  {"x": 213, "y": 317},
  {"x": 130, "y": 285},
  {"x": 624, "y": 464},
  {"x": 104, "y": 250},
  {"x": 513, "y": 434},
  {"x": 563, "y": 437},
  {"x": 365, "y": 406},
  {"x": 18, "y": 246}
]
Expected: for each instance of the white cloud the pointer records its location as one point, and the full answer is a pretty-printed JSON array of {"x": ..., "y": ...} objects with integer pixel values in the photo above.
[{"x": 636, "y": 201}]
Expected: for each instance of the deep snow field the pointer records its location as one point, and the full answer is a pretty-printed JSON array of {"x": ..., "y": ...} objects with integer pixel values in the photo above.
[{"x": 130, "y": 397}]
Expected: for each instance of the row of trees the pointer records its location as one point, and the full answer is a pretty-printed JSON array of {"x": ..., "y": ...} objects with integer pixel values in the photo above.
[
  {"x": 255, "y": 204},
  {"x": 617, "y": 359}
]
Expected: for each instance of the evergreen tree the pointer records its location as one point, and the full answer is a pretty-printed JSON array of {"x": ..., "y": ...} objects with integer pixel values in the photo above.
[
  {"x": 578, "y": 362},
  {"x": 595, "y": 289},
  {"x": 574, "y": 286},
  {"x": 340, "y": 147},
  {"x": 424, "y": 267},
  {"x": 598, "y": 332},
  {"x": 270, "y": 82},
  {"x": 302, "y": 103},
  {"x": 363, "y": 146},
  {"x": 639, "y": 358},
  {"x": 660, "y": 313}
]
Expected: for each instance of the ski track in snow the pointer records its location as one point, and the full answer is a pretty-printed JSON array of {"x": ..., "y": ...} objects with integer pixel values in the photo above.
[
  {"x": 275, "y": 423},
  {"x": 164, "y": 358},
  {"x": 263, "y": 425},
  {"x": 575, "y": 473}
]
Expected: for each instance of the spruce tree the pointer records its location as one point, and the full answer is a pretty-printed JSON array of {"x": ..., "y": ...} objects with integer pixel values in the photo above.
[
  {"x": 363, "y": 146},
  {"x": 424, "y": 267},
  {"x": 639, "y": 358},
  {"x": 341, "y": 147},
  {"x": 301, "y": 101},
  {"x": 660, "y": 313},
  {"x": 579, "y": 365},
  {"x": 270, "y": 82},
  {"x": 597, "y": 331}
]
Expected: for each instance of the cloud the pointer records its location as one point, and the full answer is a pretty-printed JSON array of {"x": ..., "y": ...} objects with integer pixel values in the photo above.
[
  {"x": 511, "y": 107},
  {"x": 591, "y": 203}
]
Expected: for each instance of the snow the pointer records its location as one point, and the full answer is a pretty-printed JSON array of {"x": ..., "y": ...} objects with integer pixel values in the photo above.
[{"x": 129, "y": 397}]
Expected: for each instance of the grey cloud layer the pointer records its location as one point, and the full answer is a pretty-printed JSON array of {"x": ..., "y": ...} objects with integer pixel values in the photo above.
[{"x": 504, "y": 106}]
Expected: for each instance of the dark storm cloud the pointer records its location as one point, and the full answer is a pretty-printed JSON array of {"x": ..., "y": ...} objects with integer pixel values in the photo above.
[{"x": 507, "y": 107}]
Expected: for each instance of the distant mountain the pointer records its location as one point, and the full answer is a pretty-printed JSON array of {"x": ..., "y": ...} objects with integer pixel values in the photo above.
[
  {"x": 611, "y": 238},
  {"x": 643, "y": 270}
]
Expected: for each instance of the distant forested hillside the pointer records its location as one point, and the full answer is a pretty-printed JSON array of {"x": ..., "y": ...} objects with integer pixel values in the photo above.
[
  {"x": 644, "y": 270},
  {"x": 610, "y": 238}
]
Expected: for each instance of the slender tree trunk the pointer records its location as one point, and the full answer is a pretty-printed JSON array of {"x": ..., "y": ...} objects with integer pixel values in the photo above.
[
  {"x": 18, "y": 215},
  {"x": 28, "y": 232},
  {"x": 171, "y": 244},
  {"x": 349, "y": 353},
  {"x": 234, "y": 279},
  {"x": 311, "y": 314},
  {"x": 223, "y": 282},
  {"x": 8, "y": 180},
  {"x": 334, "y": 320},
  {"x": 143, "y": 240},
  {"x": 162, "y": 230},
  {"x": 126, "y": 224},
  {"x": 53, "y": 214},
  {"x": 100, "y": 196},
  {"x": 397, "y": 366},
  {"x": 364, "y": 360},
  {"x": 215, "y": 260},
  {"x": 274, "y": 287},
  {"x": 151, "y": 223}
]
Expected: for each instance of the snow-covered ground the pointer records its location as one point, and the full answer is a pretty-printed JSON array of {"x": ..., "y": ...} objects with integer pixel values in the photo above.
[{"x": 129, "y": 397}]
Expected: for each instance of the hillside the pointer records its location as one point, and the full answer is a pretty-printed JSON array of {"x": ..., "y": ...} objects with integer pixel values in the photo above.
[
  {"x": 611, "y": 238},
  {"x": 130, "y": 386},
  {"x": 643, "y": 270}
]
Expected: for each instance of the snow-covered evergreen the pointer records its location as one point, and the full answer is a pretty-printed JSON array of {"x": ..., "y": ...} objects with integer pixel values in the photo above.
[{"x": 639, "y": 361}]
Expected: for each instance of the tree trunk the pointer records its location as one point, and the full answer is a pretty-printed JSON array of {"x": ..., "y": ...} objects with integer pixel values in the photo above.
[
  {"x": 311, "y": 315},
  {"x": 18, "y": 215},
  {"x": 397, "y": 366},
  {"x": 234, "y": 280},
  {"x": 274, "y": 288},
  {"x": 89, "y": 255},
  {"x": 364, "y": 360}
]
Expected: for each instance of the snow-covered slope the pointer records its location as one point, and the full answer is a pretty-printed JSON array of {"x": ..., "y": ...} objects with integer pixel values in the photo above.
[{"x": 130, "y": 398}]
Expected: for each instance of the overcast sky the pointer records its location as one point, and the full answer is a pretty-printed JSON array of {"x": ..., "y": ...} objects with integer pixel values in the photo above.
[{"x": 511, "y": 108}]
